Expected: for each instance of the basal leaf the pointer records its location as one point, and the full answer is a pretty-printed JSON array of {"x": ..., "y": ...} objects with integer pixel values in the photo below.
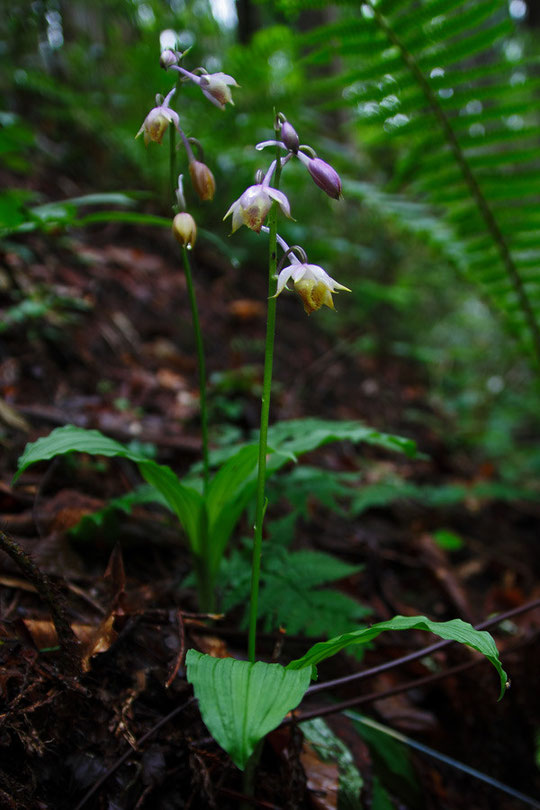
[
  {"x": 226, "y": 483},
  {"x": 184, "y": 501},
  {"x": 297, "y": 436},
  {"x": 454, "y": 630},
  {"x": 241, "y": 702},
  {"x": 71, "y": 439}
]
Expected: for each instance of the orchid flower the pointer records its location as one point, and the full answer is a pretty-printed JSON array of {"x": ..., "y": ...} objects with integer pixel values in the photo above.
[
  {"x": 314, "y": 286},
  {"x": 252, "y": 207},
  {"x": 215, "y": 86},
  {"x": 158, "y": 119}
]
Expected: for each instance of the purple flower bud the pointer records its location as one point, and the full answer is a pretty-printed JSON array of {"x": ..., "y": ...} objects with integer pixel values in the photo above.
[
  {"x": 289, "y": 137},
  {"x": 325, "y": 177}
]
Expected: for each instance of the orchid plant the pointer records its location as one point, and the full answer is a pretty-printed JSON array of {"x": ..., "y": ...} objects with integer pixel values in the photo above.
[{"x": 241, "y": 701}]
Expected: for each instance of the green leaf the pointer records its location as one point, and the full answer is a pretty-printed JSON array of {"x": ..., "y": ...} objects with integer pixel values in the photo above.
[
  {"x": 184, "y": 501},
  {"x": 241, "y": 702},
  {"x": 291, "y": 593},
  {"x": 435, "y": 75},
  {"x": 230, "y": 478},
  {"x": 225, "y": 524},
  {"x": 139, "y": 496},
  {"x": 294, "y": 437},
  {"x": 71, "y": 439},
  {"x": 330, "y": 748},
  {"x": 454, "y": 630}
]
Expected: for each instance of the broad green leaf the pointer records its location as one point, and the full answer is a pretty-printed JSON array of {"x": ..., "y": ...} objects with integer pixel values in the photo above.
[
  {"x": 71, "y": 439},
  {"x": 241, "y": 702},
  {"x": 184, "y": 501},
  {"x": 296, "y": 436},
  {"x": 454, "y": 630}
]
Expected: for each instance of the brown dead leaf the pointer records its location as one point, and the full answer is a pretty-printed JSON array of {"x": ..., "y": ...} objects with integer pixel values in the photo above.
[
  {"x": 246, "y": 309},
  {"x": 170, "y": 380},
  {"x": 67, "y": 508},
  {"x": 116, "y": 574},
  {"x": 94, "y": 639},
  {"x": 211, "y": 645},
  {"x": 99, "y": 641},
  {"x": 322, "y": 779}
]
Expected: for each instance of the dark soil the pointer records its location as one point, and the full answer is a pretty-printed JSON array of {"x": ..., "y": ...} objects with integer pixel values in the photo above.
[{"x": 125, "y": 732}]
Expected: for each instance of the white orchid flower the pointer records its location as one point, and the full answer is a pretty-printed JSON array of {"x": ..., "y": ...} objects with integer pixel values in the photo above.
[{"x": 314, "y": 286}]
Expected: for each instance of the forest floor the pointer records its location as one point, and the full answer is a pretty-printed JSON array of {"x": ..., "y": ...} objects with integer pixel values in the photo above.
[{"x": 125, "y": 733}]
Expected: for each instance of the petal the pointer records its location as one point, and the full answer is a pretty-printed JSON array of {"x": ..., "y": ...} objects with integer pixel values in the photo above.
[
  {"x": 237, "y": 219},
  {"x": 263, "y": 144},
  {"x": 298, "y": 272},
  {"x": 252, "y": 195},
  {"x": 281, "y": 200},
  {"x": 212, "y": 98},
  {"x": 224, "y": 77},
  {"x": 231, "y": 209},
  {"x": 317, "y": 273},
  {"x": 340, "y": 287},
  {"x": 168, "y": 97},
  {"x": 283, "y": 278}
]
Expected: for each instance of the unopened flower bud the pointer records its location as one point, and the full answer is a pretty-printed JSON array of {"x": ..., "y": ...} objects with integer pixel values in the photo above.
[
  {"x": 290, "y": 137},
  {"x": 202, "y": 179},
  {"x": 168, "y": 58},
  {"x": 184, "y": 230},
  {"x": 325, "y": 177}
]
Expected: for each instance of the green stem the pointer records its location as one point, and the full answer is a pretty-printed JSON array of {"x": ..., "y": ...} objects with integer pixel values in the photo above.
[
  {"x": 265, "y": 413},
  {"x": 202, "y": 366},
  {"x": 205, "y": 587},
  {"x": 172, "y": 165}
]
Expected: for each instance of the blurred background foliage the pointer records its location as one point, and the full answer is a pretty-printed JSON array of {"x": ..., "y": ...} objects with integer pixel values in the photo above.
[{"x": 78, "y": 78}]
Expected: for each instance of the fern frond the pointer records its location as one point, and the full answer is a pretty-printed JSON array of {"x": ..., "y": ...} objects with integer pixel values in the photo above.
[{"x": 436, "y": 75}]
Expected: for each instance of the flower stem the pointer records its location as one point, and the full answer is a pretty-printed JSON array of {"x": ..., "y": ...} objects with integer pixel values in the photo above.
[
  {"x": 172, "y": 165},
  {"x": 204, "y": 580},
  {"x": 202, "y": 366},
  {"x": 265, "y": 412}
]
